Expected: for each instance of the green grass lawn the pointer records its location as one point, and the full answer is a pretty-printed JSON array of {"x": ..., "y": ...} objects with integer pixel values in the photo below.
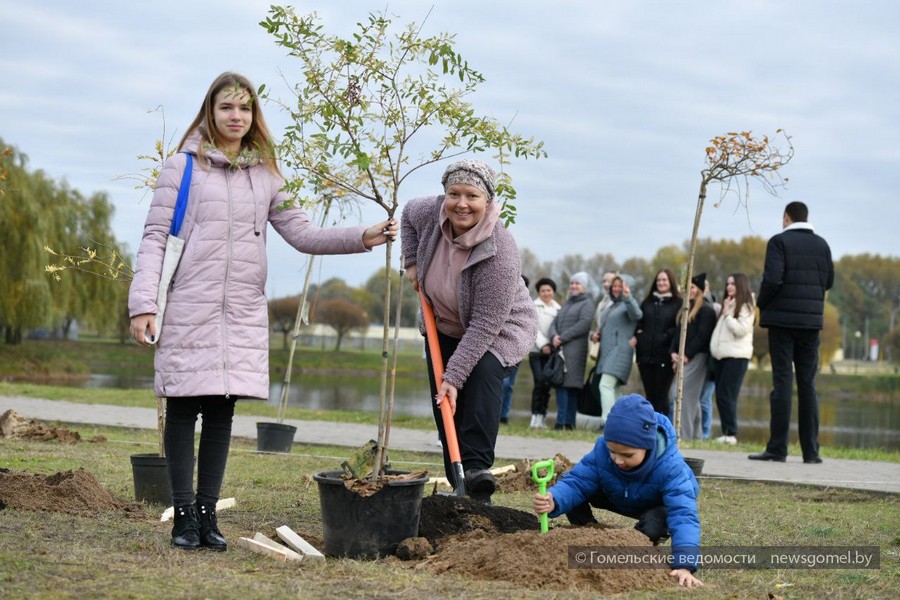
[{"x": 53, "y": 555}]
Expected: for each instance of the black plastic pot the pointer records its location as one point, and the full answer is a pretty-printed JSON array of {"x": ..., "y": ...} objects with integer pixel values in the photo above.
[
  {"x": 151, "y": 479},
  {"x": 696, "y": 465},
  {"x": 274, "y": 437},
  {"x": 368, "y": 527}
]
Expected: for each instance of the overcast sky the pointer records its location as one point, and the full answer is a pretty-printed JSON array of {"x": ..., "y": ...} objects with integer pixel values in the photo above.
[{"x": 625, "y": 95}]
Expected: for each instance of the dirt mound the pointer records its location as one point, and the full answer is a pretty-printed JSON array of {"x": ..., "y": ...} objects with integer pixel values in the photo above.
[
  {"x": 519, "y": 480},
  {"x": 71, "y": 492},
  {"x": 541, "y": 561},
  {"x": 491, "y": 543},
  {"x": 444, "y": 516},
  {"x": 14, "y": 425}
]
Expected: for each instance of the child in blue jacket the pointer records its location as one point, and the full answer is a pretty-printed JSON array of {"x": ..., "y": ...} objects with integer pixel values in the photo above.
[{"x": 635, "y": 470}]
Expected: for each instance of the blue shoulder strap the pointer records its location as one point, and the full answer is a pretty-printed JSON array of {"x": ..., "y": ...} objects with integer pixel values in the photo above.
[{"x": 184, "y": 191}]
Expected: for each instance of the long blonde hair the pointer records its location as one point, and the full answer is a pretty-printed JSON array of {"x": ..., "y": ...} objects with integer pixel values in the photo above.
[
  {"x": 696, "y": 303},
  {"x": 257, "y": 139}
]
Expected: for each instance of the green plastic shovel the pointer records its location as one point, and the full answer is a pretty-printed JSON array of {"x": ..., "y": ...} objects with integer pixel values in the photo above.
[{"x": 542, "y": 484}]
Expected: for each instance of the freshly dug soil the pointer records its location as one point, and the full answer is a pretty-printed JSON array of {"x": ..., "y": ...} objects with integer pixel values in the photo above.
[
  {"x": 491, "y": 543},
  {"x": 443, "y": 516},
  {"x": 14, "y": 425},
  {"x": 72, "y": 492},
  {"x": 541, "y": 562},
  {"x": 520, "y": 479}
]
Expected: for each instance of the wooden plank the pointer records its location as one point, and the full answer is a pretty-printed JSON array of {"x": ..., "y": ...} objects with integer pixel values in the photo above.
[
  {"x": 261, "y": 548},
  {"x": 220, "y": 505},
  {"x": 267, "y": 541},
  {"x": 443, "y": 483},
  {"x": 299, "y": 544},
  {"x": 501, "y": 470},
  {"x": 225, "y": 503}
]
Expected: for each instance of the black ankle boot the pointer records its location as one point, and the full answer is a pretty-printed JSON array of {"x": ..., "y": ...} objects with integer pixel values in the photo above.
[
  {"x": 186, "y": 529},
  {"x": 210, "y": 536}
]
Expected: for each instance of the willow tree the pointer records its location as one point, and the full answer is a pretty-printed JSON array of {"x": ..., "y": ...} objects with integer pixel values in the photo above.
[
  {"x": 35, "y": 211},
  {"x": 733, "y": 161},
  {"x": 373, "y": 108}
]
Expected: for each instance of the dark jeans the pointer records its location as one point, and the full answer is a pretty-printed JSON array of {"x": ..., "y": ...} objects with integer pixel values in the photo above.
[
  {"x": 729, "y": 379},
  {"x": 215, "y": 439},
  {"x": 540, "y": 395},
  {"x": 794, "y": 351},
  {"x": 652, "y": 522},
  {"x": 657, "y": 379},
  {"x": 477, "y": 417},
  {"x": 508, "y": 382},
  {"x": 566, "y": 406}
]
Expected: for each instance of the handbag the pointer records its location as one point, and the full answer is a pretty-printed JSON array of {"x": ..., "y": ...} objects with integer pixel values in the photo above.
[
  {"x": 553, "y": 372},
  {"x": 589, "y": 395},
  {"x": 174, "y": 249}
]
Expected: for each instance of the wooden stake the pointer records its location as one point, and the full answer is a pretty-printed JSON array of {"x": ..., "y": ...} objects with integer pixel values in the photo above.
[
  {"x": 261, "y": 548},
  {"x": 266, "y": 541},
  {"x": 300, "y": 545}
]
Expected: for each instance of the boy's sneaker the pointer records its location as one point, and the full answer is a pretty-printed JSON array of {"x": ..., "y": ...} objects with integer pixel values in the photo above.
[{"x": 727, "y": 439}]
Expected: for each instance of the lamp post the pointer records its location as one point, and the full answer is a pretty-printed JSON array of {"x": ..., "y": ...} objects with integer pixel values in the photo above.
[{"x": 856, "y": 344}]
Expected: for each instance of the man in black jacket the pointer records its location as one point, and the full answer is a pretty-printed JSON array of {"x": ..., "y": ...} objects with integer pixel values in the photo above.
[{"x": 791, "y": 299}]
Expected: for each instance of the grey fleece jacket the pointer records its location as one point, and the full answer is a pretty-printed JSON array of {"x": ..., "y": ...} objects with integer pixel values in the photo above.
[{"x": 495, "y": 309}]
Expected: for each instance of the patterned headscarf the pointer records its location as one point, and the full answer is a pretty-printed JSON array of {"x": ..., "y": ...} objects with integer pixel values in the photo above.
[{"x": 470, "y": 172}]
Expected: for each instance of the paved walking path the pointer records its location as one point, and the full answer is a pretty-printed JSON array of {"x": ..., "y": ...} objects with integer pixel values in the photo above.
[{"x": 841, "y": 473}]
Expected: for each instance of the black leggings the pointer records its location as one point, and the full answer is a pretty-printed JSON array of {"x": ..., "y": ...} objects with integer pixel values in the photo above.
[
  {"x": 215, "y": 439},
  {"x": 657, "y": 379}
]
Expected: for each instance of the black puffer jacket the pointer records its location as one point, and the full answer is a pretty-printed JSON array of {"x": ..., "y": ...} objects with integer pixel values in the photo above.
[
  {"x": 699, "y": 332},
  {"x": 656, "y": 329},
  {"x": 798, "y": 271}
]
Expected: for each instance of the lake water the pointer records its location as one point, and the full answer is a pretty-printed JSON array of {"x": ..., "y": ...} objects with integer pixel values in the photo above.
[{"x": 849, "y": 422}]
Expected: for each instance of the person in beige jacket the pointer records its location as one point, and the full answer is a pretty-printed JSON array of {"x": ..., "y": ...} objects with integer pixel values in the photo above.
[{"x": 732, "y": 347}]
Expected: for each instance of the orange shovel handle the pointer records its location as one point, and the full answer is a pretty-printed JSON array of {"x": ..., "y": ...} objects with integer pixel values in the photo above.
[{"x": 437, "y": 365}]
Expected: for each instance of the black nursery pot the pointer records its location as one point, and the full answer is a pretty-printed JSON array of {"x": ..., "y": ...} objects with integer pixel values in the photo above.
[
  {"x": 151, "y": 479},
  {"x": 696, "y": 465},
  {"x": 368, "y": 527},
  {"x": 274, "y": 437}
]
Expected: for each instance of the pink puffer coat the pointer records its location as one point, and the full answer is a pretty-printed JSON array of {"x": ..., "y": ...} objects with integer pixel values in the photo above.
[{"x": 215, "y": 336}]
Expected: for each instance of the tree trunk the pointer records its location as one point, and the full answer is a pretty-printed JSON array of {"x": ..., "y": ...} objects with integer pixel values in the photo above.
[
  {"x": 383, "y": 424},
  {"x": 685, "y": 309}
]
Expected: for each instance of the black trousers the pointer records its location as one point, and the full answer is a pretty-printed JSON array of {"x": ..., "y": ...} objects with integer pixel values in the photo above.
[
  {"x": 652, "y": 522},
  {"x": 477, "y": 417},
  {"x": 540, "y": 395},
  {"x": 729, "y": 379},
  {"x": 215, "y": 439},
  {"x": 657, "y": 379},
  {"x": 794, "y": 351}
]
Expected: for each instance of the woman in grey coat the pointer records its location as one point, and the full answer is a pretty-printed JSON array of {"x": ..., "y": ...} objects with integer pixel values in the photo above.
[
  {"x": 617, "y": 324},
  {"x": 569, "y": 334},
  {"x": 701, "y": 322}
]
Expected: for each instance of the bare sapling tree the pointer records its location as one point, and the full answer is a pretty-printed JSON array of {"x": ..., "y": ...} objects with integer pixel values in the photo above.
[
  {"x": 733, "y": 160},
  {"x": 371, "y": 109}
]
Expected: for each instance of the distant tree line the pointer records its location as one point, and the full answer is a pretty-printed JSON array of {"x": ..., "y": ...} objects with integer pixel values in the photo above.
[{"x": 37, "y": 212}]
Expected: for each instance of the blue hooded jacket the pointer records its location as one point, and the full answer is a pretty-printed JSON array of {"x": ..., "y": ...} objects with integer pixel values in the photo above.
[{"x": 663, "y": 479}]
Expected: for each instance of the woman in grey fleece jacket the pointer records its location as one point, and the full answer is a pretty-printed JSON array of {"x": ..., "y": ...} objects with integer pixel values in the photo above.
[{"x": 457, "y": 251}]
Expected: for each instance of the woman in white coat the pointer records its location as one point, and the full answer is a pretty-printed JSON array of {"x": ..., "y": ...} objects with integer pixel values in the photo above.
[
  {"x": 732, "y": 347},
  {"x": 547, "y": 307}
]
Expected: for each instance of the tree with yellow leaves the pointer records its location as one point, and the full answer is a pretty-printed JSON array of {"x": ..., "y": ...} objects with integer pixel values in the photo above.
[{"x": 733, "y": 160}]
